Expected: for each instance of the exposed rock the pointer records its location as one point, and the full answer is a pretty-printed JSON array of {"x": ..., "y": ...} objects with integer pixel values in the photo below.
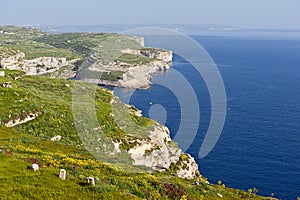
[
  {"x": 159, "y": 54},
  {"x": 56, "y": 138},
  {"x": 135, "y": 75},
  {"x": 116, "y": 148},
  {"x": 12, "y": 62},
  {"x": 43, "y": 65},
  {"x": 35, "y": 167},
  {"x": 18, "y": 121},
  {"x": 2, "y": 73},
  {"x": 35, "y": 66},
  {"x": 156, "y": 153},
  {"x": 6, "y": 85},
  {"x": 140, "y": 76},
  {"x": 187, "y": 166},
  {"x": 160, "y": 153},
  {"x": 90, "y": 180},
  {"x": 62, "y": 174}
]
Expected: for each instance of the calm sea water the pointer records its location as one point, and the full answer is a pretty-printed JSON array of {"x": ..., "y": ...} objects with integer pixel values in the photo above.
[{"x": 260, "y": 143}]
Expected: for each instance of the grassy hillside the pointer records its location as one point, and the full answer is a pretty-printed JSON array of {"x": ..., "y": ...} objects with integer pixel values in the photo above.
[
  {"x": 23, "y": 39},
  {"x": 30, "y": 142}
]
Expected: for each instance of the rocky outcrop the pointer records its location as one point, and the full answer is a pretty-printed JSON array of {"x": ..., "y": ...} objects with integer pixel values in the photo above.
[
  {"x": 156, "y": 153},
  {"x": 153, "y": 148},
  {"x": 140, "y": 76},
  {"x": 12, "y": 62},
  {"x": 187, "y": 167},
  {"x": 43, "y": 65},
  {"x": 35, "y": 66},
  {"x": 134, "y": 75},
  {"x": 19, "y": 121},
  {"x": 161, "y": 153},
  {"x": 159, "y": 54}
]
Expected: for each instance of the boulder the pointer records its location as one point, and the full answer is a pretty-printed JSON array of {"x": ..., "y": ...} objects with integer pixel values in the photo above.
[
  {"x": 56, "y": 138},
  {"x": 35, "y": 167}
]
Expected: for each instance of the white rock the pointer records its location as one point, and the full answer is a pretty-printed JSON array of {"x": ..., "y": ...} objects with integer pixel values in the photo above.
[
  {"x": 18, "y": 121},
  {"x": 35, "y": 66},
  {"x": 62, "y": 174},
  {"x": 56, "y": 138},
  {"x": 190, "y": 170},
  {"x": 35, "y": 167},
  {"x": 160, "y": 154},
  {"x": 90, "y": 180}
]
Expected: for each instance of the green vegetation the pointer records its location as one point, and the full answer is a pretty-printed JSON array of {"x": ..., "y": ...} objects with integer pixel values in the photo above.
[
  {"x": 152, "y": 50},
  {"x": 7, "y": 51},
  {"x": 79, "y": 43},
  {"x": 113, "y": 75},
  {"x": 184, "y": 157},
  {"x": 89, "y": 119},
  {"x": 19, "y": 181},
  {"x": 23, "y": 39},
  {"x": 133, "y": 59},
  {"x": 105, "y": 48},
  {"x": 24, "y": 144}
]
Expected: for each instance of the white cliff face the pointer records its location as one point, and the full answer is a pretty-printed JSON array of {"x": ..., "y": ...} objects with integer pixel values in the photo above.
[
  {"x": 188, "y": 168},
  {"x": 13, "y": 62},
  {"x": 156, "y": 153},
  {"x": 160, "y": 153},
  {"x": 43, "y": 65},
  {"x": 140, "y": 76},
  {"x": 159, "y": 54},
  {"x": 35, "y": 66},
  {"x": 135, "y": 76}
]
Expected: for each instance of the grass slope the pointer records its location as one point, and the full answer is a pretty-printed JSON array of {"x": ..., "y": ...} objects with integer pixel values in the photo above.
[{"x": 29, "y": 142}]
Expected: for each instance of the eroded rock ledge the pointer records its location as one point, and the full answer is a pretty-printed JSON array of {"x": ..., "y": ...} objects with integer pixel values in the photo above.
[
  {"x": 19, "y": 121},
  {"x": 161, "y": 153}
]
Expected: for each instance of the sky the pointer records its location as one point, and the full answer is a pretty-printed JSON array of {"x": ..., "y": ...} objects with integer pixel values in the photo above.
[{"x": 262, "y": 14}]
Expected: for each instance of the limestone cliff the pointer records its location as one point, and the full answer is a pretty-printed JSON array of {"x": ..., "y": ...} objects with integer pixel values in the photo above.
[
  {"x": 140, "y": 76},
  {"x": 160, "y": 153},
  {"x": 12, "y": 62},
  {"x": 159, "y": 54},
  {"x": 35, "y": 66},
  {"x": 130, "y": 74},
  {"x": 155, "y": 149}
]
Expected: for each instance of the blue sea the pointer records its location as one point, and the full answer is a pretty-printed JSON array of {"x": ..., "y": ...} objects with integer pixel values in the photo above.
[{"x": 260, "y": 142}]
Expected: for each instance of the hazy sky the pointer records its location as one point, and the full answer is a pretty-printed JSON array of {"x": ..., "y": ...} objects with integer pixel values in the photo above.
[{"x": 283, "y": 14}]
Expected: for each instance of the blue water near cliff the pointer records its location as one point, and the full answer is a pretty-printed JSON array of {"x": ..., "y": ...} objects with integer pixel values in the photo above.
[{"x": 260, "y": 143}]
